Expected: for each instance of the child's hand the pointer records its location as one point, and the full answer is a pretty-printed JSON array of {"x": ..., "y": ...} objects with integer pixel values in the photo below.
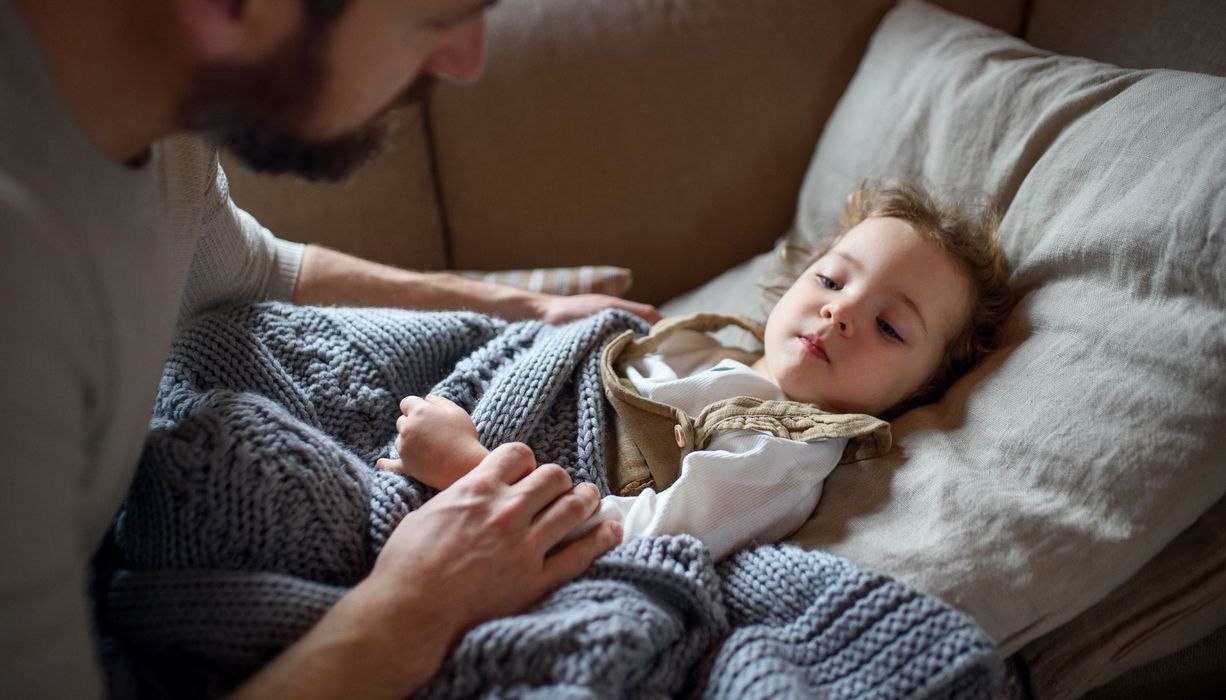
[{"x": 437, "y": 442}]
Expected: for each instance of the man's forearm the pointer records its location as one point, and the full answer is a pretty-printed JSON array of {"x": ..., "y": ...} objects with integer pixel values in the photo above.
[
  {"x": 369, "y": 645},
  {"x": 331, "y": 277}
]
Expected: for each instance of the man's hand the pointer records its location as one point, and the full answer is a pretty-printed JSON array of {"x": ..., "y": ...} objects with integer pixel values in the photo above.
[
  {"x": 551, "y": 308},
  {"x": 436, "y": 440},
  {"x": 478, "y": 550},
  {"x": 482, "y": 548}
]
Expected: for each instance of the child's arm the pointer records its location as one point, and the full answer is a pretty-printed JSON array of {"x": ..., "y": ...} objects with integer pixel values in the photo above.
[{"x": 436, "y": 440}]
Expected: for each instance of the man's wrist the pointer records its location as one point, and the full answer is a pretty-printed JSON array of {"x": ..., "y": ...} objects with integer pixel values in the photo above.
[
  {"x": 383, "y": 610},
  {"x": 330, "y": 277},
  {"x": 504, "y": 301}
]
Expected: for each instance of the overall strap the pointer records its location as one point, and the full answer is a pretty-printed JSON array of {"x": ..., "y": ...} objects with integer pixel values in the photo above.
[{"x": 867, "y": 436}]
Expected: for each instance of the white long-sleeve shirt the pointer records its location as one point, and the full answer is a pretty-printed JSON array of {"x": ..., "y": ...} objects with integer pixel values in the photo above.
[
  {"x": 97, "y": 261},
  {"x": 745, "y": 486}
]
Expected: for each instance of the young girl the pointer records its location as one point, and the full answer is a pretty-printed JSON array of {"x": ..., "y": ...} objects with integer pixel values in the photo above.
[{"x": 733, "y": 447}]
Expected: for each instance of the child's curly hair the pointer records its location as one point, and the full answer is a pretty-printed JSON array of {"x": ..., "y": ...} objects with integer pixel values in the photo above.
[{"x": 966, "y": 230}]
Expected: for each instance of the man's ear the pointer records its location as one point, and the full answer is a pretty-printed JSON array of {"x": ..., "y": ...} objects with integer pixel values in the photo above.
[{"x": 236, "y": 29}]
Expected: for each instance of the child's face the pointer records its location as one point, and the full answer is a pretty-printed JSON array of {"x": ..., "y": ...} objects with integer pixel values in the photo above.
[{"x": 867, "y": 324}]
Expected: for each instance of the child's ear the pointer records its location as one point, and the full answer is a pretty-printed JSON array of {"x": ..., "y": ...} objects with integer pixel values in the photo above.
[{"x": 228, "y": 30}]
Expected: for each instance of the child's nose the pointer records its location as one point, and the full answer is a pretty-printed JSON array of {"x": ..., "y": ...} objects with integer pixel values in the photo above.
[{"x": 838, "y": 315}]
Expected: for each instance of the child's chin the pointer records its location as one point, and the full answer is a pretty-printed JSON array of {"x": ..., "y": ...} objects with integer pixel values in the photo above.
[{"x": 801, "y": 394}]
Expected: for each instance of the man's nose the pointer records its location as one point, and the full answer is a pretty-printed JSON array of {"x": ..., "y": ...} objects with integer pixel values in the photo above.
[{"x": 462, "y": 56}]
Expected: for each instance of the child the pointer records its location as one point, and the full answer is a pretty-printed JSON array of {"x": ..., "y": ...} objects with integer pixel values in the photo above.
[{"x": 903, "y": 301}]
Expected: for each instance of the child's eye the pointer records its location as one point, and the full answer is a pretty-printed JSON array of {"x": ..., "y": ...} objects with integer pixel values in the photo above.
[
  {"x": 888, "y": 330},
  {"x": 828, "y": 283}
]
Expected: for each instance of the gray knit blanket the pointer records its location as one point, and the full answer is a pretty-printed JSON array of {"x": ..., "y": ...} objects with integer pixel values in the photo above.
[{"x": 256, "y": 506}]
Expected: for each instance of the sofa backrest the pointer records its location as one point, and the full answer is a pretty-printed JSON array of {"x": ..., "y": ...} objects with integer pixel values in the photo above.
[{"x": 1179, "y": 34}]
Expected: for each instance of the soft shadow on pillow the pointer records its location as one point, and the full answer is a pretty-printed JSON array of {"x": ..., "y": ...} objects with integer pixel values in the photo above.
[{"x": 1059, "y": 467}]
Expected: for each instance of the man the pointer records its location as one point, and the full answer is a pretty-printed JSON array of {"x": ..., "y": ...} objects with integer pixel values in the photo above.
[{"x": 112, "y": 228}]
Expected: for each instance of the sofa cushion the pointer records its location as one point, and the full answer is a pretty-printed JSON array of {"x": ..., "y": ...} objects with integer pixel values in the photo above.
[
  {"x": 1053, "y": 472},
  {"x": 1177, "y": 599}
]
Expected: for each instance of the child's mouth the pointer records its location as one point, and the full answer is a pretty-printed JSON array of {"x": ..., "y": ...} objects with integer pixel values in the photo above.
[{"x": 814, "y": 347}]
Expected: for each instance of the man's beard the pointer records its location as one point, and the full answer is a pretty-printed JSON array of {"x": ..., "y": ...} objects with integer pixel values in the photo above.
[{"x": 254, "y": 111}]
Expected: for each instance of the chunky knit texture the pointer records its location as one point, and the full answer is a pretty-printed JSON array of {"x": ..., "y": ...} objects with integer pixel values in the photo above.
[{"x": 256, "y": 507}]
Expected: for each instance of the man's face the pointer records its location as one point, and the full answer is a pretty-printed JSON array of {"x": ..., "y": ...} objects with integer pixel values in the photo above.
[
  {"x": 867, "y": 324},
  {"x": 315, "y": 106}
]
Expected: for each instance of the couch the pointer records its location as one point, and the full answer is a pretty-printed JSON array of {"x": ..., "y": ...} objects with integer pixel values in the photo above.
[{"x": 1069, "y": 492}]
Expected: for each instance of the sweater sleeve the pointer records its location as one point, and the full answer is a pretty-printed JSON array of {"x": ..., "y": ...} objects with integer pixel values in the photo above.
[
  {"x": 46, "y": 338},
  {"x": 746, "y": 487},
  {"x": 236, "y": 259}
]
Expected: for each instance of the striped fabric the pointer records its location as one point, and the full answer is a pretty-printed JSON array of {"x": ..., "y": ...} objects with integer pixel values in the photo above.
[{"x": 599, "y": 279}]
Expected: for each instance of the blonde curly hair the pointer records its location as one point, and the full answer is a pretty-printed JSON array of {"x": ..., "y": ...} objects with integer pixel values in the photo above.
[{"x": 965, "y": 228}]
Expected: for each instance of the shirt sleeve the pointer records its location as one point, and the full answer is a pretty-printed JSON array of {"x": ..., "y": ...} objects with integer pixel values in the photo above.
[
  {"x": 746, "y": 487},
  {"x": 237, "y": 259},
  {"x": 46, "y": 642}
]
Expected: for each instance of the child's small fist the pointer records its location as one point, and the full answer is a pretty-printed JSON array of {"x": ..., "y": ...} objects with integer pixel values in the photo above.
[{"x": 436, "y": 440}]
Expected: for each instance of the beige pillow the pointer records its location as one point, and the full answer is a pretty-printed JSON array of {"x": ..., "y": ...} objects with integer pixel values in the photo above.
[
  {"x": 1059, "y": 467},
  {"x": 595, "y": 279}
]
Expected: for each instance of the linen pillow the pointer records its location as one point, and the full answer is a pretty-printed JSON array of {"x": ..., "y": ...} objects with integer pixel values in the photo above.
[
  {"x": 585, "y": 279},
  {"x": 1060, "y": 466}
]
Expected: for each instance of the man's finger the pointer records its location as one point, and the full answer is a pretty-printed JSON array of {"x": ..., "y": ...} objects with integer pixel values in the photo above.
[
  {"x": 576, "y": 557},
  {"x": 542, "y": 489},
  {"x": 509, "y": 463},
  {"x": 647, "y": 312},
  {"x": 407, "y": 402},
  {"x": 560, "y": 517}
]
